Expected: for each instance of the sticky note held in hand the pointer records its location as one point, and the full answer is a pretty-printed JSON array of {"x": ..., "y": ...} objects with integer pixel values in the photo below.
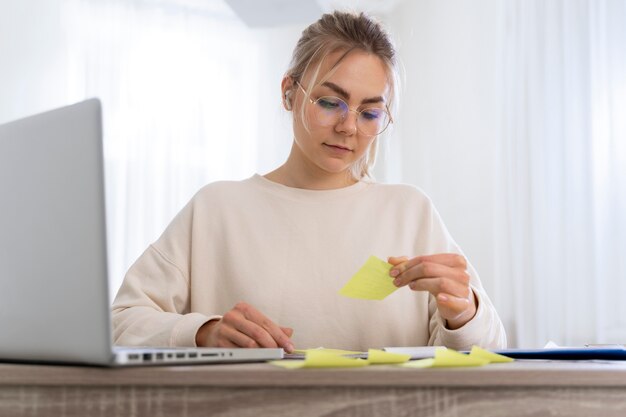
[{"x": 371, "y": 282}]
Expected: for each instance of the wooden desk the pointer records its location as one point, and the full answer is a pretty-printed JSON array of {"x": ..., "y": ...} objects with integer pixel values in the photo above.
[{"x": 240, "y": 390}]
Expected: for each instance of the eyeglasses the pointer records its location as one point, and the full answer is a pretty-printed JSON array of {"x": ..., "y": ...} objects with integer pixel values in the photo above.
[{"x": 330, "y": 110}]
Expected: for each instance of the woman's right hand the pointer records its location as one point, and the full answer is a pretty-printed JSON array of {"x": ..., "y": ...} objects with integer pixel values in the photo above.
[{"x": 244, "y": 326}]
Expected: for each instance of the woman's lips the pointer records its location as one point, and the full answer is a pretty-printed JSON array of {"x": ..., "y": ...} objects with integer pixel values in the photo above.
[{"x": 338, "y": 148}]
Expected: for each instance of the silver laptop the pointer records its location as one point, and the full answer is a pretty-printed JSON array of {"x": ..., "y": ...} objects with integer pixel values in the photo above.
[{"x": 54, "y": 298}]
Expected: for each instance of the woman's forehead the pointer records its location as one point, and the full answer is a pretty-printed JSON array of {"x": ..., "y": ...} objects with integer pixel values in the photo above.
[{"x": 357, "y": 72}]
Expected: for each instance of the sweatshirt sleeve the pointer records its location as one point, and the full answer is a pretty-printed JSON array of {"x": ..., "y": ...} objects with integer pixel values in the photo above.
[
  {"x": 152, "y": 307},
  {"x": 485, "y": 329}
]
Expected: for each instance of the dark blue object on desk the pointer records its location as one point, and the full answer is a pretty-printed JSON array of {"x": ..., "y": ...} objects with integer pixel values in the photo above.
[{"x": 614, "y": 353}]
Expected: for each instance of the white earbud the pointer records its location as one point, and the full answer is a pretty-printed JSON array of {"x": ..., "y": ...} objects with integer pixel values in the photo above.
[{"x": 288, "y": 100}]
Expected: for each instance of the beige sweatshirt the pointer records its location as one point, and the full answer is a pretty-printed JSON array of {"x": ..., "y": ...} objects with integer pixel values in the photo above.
[{"x": 287, "y": 252}]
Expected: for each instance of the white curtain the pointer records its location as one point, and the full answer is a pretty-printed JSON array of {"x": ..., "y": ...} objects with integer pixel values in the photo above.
[
  {"x": 561, "y": 203},
  {"x": 186, "y": 101}
]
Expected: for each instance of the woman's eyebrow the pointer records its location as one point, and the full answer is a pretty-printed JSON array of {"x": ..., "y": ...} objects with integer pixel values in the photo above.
[{"x": 346, "y": 95}]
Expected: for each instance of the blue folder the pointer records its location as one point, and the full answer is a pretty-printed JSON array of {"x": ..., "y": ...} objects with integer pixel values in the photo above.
[{"x": 612, "y": 352}]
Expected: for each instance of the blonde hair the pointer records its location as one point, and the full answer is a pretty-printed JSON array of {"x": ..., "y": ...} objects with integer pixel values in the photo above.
[{"x": 342, "y": 31}]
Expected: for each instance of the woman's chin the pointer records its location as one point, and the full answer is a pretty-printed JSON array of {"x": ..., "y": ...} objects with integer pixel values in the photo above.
[{"x": 335, "y": 168}]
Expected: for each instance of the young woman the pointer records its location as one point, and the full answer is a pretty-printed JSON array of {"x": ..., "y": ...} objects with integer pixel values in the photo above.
[{"x": 259, "y": 262}]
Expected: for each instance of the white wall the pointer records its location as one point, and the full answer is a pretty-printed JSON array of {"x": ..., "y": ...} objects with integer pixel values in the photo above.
[
  {"x": 275, "y": 121},
  {"x": 33, "y": 75},
  {"x": 448, "y": 124}
]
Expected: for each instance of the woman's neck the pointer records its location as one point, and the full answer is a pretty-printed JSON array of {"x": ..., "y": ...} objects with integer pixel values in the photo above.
[{"x": 310, "y": 177}]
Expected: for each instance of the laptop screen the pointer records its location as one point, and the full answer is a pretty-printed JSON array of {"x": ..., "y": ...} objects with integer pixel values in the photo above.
[{"x": 54, "y": 298}]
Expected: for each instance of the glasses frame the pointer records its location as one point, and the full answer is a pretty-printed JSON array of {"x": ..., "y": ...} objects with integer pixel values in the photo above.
[{"x": 357, "y": 112}]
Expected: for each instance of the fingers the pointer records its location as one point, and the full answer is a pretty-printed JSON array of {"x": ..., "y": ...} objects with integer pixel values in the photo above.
[
  {"x": 245, "y": 326},
  {"x": 441, "y": 285},
  {"x": 435, "y": 278},
  {"x": 266, "y": 331},
  {"x": 395, "y": 260},
  {"x": 231, "y": 337},
  {"x": 452, "y": 260},
  {"x": 445, "y": 276},
  {"x": 287, "y": 330},
  {"x": 451, "y": 306},
  {"x": 252, "y": 334}
]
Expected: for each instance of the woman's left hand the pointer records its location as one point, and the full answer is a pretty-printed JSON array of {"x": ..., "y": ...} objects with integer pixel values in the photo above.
[{"x": 445, "y": 276}]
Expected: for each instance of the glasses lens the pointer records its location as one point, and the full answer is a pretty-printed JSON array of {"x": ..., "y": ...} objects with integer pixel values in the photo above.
[
  {"x": 373, "y": 121},
  {"x": 330, "y": 110}
]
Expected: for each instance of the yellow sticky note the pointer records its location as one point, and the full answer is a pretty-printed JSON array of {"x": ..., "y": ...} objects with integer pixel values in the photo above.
[
  {"x": 376, "y": 356},
  {"x": 449, "y": 357},
  {"x": 479, "y": 352},
  {"x": 320, "y": 359},
  {"x": 445, "y": 358},
  {"x": 371, "y": 282}
]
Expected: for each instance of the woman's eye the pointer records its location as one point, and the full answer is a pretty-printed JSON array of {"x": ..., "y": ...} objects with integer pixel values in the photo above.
[
  {"x": 371, "y": 114},
  {"x": 328, "y": 103}
]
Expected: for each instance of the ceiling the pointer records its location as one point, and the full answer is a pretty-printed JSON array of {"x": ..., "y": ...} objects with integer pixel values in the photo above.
[{"x": 268, "y": 13}]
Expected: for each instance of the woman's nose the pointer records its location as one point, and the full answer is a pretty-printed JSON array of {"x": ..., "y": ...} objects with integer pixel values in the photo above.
[{"x": 348, "y": 123}]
